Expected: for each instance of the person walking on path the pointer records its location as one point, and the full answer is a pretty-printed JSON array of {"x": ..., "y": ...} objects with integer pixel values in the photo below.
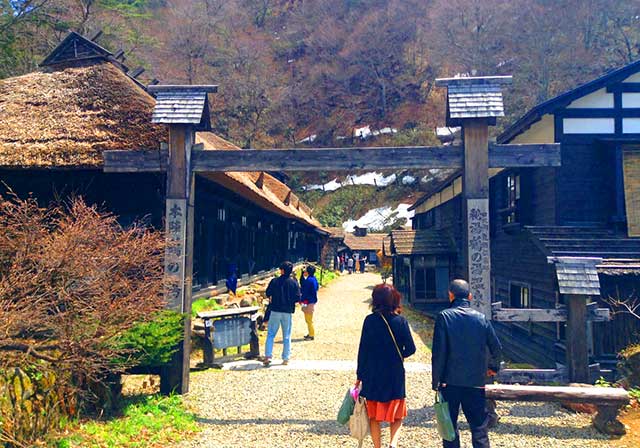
[
  {"x": 462, "y": 341},
  {"x": 357, "y": 257},
  {"x": 284, "y": 293},
  {"x": 350, "y": 264},
  {"x": 384, "y": 344},
  {"x": 363, "y": 262},
  {"x": 309, "y": 287}
]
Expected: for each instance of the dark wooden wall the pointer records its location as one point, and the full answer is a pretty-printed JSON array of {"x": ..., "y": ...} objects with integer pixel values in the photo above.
[
  {"x": 585, "y": 184},
  {"x": 515, "y": 258},
  {"x": 110, "y": 192}
]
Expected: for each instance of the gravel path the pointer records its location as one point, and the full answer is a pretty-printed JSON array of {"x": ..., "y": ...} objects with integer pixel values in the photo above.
[{"x": 295, "y": 406}]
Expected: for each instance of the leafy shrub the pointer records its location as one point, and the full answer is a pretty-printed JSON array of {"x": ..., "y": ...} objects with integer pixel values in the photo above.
[
  {"x": 152, "y": 343},
  {"x": 72, "y": 281}
]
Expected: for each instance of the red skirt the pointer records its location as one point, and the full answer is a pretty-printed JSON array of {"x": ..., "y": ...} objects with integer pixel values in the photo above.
[{"x": 389, "y": 411}]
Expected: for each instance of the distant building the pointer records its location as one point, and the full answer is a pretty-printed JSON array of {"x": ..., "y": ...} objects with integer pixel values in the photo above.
[{"x": 359, "y": 242}]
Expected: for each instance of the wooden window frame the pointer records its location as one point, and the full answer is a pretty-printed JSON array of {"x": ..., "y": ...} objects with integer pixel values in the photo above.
[
  {"x": 526, "y": 326},
  {"x": 509, "y": 214}
]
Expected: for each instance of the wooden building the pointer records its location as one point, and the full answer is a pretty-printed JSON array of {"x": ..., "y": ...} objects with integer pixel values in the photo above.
[
  {"x": 548, "y": 223},
  {"x": 56, "y": 122},
  {"x": 360, "y": 242},
  {"x": 422, "y": 261}
]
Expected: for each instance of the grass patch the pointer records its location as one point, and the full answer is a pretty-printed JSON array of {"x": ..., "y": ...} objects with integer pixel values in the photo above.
[
  {"x": 326, "y": 277},
  {"x": 204, "y": 305},
  {"x": 146, "y": 421}
]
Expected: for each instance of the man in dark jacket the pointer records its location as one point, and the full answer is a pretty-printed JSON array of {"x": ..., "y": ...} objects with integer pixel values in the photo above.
[
  {"x": 460, "y": 362},
  {"x": 284, "y": 293}
]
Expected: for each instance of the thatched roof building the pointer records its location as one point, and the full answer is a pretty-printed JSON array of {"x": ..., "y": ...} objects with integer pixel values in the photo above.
[
  {"x": 83, "y": 103},
  {"x": 56, "y": 122}
]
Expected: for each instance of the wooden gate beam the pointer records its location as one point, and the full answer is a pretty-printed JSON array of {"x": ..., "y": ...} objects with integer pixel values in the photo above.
[{"x": 312, "y": 159}]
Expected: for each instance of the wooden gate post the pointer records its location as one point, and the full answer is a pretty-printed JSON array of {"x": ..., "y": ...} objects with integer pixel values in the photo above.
[
  {"x": 185, "y": 110},
  {"x": 179, "y": 254},
  {"x": 475, "y": 103},
  {"x": 577, "y": 348},
  {"x": 475, "y": 193}
]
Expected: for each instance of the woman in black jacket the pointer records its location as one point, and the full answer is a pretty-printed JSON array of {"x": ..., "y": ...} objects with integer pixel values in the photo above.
[{"x": 385, "y": 341}]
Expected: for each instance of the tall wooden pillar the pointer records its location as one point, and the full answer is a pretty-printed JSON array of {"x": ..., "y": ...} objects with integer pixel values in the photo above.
[
  {"x": 185, "y": 110},
  {"x": 179, "y": 253},
  {"x": 475, "y": 185},
  {"x": 577, "y": 342}
]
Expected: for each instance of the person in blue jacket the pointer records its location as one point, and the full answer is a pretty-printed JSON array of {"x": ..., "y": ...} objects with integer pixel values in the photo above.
[
  {"x": 309, "y": 289},
  {"x": 232, "y": 279}
]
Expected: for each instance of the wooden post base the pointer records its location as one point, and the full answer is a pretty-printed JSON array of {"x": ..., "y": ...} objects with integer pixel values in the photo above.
[{"x": 171, "y": 374}]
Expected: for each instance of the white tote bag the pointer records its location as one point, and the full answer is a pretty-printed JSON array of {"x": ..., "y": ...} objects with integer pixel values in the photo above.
[{"x": 359, "y": 421}]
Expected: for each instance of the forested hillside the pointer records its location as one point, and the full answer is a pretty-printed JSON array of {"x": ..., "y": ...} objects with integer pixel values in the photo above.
[
  {"x": 291, "y": 70},
  {"x": 337, "y": 72}
]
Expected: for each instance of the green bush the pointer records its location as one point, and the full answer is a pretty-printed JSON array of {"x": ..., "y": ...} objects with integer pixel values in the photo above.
[{"x": 153, "y": 343}]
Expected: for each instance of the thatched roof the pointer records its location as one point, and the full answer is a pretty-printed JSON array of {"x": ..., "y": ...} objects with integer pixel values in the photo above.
[{"x": 66, "y": 115}]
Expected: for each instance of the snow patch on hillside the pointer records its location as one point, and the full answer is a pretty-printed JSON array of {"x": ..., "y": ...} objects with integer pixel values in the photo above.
[
  {"x": 372, "y": 178},
  {"x": 376, "y": 219}
]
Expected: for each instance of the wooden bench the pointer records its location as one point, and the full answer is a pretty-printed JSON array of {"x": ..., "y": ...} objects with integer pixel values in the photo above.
[
  {"x": 233, "y": 327},
  {"x": 608, "y": 400}
]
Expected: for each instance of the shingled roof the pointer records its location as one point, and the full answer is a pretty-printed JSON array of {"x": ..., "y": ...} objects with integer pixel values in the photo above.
[
  {"x": 585, "y": 242},
  {"x": 371, "y": 241},
  {"x": 421, "y": 242},
  {"x": 473, "y": 97},
  {"x": 578, "y": 276},
  {"x": 182, "y": 105}
]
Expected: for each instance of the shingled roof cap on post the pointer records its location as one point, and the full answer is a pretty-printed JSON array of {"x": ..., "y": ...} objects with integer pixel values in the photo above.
[
  {"x": 182, "y": 104},
  {"x": 577, "y": 276},
  {"x": 474, "y": 97}
]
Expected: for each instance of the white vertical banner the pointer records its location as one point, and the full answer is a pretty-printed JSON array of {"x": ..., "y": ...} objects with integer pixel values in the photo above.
[
  {"x": 479, "y": 254},
  {"x": 176, "y": 231}
]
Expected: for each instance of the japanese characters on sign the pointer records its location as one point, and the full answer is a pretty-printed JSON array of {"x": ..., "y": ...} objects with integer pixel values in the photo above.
[
  {"x": 175, "y": 252},
  {"x": 479, "y": 251}
]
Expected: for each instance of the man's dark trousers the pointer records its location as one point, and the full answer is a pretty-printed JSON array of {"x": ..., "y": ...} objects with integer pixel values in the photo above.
[{"x": 472, "y": 400}]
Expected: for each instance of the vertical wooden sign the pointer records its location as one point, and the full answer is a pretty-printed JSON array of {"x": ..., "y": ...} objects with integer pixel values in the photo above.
[
  {"x": 176, "y": 225},
  {"x": 479, "y": 254},
  {"x": 475, "y": 184}
]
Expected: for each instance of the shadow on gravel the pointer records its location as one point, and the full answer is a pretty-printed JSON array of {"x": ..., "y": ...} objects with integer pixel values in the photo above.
[
  {"x": 562, "y": 432},
  {"x": 542, "y": 411},
  {"x": 321, "y": 427}
]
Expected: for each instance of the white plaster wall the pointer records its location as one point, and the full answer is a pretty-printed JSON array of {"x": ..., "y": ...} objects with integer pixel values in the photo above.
[
  {"x": 588, "y": 125},
  {"x": 541, "y": 131},
  {"x": 599, "y": 99},
  {"x": 633, "y": 78},
  {"x": 631, "y": 125},
  {"x": 630, "y": 100}
]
